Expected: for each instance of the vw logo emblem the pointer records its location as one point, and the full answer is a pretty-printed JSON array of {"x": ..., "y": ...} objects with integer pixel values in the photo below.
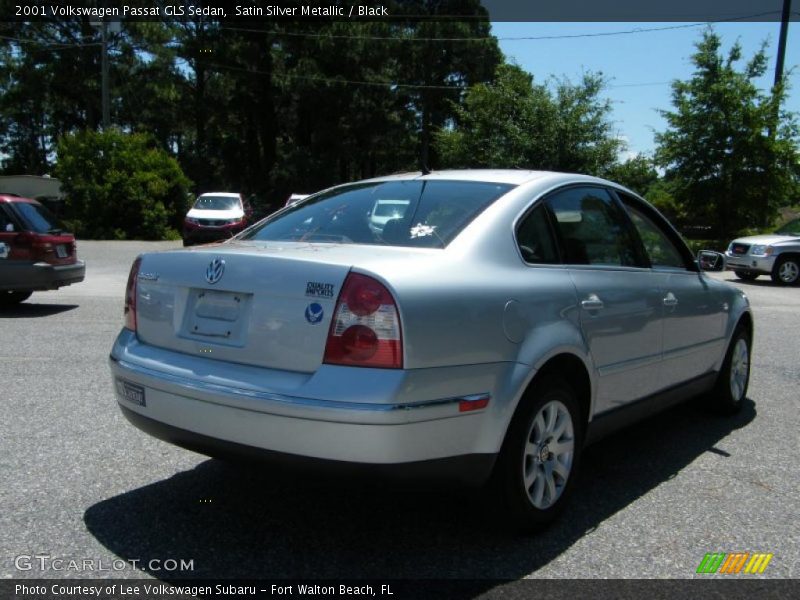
[{"x": 215, "y": 270}]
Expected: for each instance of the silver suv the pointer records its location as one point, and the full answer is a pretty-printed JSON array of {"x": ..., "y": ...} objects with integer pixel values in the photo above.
[{"x": 776, "y": 255}]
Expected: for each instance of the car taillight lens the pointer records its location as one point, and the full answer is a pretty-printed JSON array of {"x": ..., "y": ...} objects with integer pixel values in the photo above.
[
  {"x": 365, "y": 331},
  {"x": 130, "y": 295}
]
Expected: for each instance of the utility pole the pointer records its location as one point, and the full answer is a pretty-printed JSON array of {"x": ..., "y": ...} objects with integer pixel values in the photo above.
[
  {"x": 787, "y": 7},
  {"x": 106, "y": 27},
  {"x": 104, "y": 76}
]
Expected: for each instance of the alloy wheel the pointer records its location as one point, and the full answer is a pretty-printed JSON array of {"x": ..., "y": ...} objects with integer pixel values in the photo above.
[{"x": 549, "y": 452}]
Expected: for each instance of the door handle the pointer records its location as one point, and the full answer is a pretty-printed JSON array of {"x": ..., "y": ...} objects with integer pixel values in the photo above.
[
  {"x": 592, "y": 302},
  {"x": 670, "y": 300}
]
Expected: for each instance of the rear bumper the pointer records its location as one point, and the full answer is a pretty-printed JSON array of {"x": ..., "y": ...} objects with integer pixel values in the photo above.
[
  {"x": 197, "y": 405},
  {"x": 471, "y": 469},
  {"x": 40, "y": 276},
  {"x": 749, "y": 264}
]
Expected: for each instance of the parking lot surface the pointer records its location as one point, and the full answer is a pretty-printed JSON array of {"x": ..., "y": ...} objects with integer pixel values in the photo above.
[{"x": 77, "y": 482}]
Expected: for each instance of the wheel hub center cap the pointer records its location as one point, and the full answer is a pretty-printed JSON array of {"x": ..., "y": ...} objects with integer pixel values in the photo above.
[{"x": 544, "y": 453}]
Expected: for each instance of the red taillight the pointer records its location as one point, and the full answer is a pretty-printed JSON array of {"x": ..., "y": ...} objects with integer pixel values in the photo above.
[
  {"x": 130, "y": 295},
  {"x": 365, "y": 331}
]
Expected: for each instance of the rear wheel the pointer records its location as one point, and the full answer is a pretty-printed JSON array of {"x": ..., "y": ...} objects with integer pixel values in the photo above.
[
  {"x": 537, "y": 466},
  {"x": 12, "y": 298},
  {"x": 734, "y": 377},
  {"x": 746, "y": 275},
  {"x": 786, "y": 270}
]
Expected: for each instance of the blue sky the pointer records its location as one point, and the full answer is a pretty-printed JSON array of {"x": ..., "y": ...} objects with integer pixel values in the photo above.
[{"x": 639, "y": 66}]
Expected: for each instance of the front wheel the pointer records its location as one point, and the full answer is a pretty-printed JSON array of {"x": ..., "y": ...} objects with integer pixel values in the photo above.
[
  {"x": 734, "y": 377},
  {"x": 786, "y": 270},
  {"x": 537, "y": 465},
  {"x": 8, "y": 298},
  {"x": 746, "y": 275}
]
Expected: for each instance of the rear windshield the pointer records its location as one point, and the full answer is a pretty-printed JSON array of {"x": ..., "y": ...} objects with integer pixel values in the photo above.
[
  {"x": 36, "y": 217},
  {"x": 216, "y": 203},
  {"x": 423, "y": 214}
]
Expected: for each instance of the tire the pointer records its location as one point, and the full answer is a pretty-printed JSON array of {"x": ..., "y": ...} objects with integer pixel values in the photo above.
[
  {"x": 786, "y": 270},
  {"x": 186, "y": 243},
  {"x": 734, "y": 377},
  {"x": 13, "y": 298},
  {"x": 746, "y": 275},
  {"x": 533, "y": 492}
]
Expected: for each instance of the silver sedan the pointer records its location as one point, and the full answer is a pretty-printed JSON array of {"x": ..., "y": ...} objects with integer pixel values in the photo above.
[{"x": 498, "y": 323}]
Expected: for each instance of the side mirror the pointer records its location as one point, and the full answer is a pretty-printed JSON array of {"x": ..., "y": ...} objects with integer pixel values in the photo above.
[{"x": 708, "y": 260}]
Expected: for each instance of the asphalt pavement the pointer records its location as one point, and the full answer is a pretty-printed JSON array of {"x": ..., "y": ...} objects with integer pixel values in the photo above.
[{"x": 78, "y": 483}]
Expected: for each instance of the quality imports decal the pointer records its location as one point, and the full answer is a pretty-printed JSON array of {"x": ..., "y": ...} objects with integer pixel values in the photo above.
[{"x": 319, "y": 290}]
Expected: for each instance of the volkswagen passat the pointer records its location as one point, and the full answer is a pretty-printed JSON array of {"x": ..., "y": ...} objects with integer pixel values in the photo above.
[{"x": 495, "y": 325}]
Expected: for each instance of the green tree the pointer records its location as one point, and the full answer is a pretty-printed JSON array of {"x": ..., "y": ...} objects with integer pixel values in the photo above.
[
  {"x": 120, "y": 185},
  {"x": 638, "y": 173},
  {"x": 730, "y": 152},
  {"x": 515, "y": 123}
]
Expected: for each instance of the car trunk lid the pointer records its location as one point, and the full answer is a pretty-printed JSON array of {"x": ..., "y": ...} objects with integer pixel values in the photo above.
[{"x": 262, "y": 304}]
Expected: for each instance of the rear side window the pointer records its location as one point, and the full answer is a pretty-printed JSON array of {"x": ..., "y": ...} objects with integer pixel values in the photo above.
[
  {"x": 535, "y": 239},
  {"x": 593, "y": 228},
  {"x": 414, "y": 213},
  {"x": 6, "y": 224}
]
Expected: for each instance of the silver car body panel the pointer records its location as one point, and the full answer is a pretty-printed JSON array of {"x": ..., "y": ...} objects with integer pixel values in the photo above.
[{"x": 477, "y": 321}]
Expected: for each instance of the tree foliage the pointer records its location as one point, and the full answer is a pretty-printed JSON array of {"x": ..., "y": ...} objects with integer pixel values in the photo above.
[
  {"x": 120, "y": 186},
  {"x": 262, "y": 107},
  {"x": 638, "y": 173},
  {"x": 513, "y": 122},
  {"x": 730, "y": 151}
]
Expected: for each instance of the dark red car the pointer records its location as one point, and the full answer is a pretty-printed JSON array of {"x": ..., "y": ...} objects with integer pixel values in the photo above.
[{"x": 35, "y": 253}]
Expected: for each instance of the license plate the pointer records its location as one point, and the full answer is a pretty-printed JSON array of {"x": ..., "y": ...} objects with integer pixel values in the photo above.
[
  {"x": 131, "y": 392},
  {"x": 61, "y": 251}
]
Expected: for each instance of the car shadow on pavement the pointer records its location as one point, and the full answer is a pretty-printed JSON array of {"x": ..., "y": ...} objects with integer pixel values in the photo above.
[
  {"x": 28, "y": 310},
  {"x": 240, "y": 523}
]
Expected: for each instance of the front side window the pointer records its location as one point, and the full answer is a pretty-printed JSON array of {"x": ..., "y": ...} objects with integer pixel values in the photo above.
[
  {"x": 791, "y": 228},
  {"x": 659, "y": 247},
  {"x": 593, "y": 229},
  {"x": 413, "y": 213}
]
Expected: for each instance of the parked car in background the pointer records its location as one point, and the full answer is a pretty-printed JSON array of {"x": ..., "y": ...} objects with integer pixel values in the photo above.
[
  {"x": 384, "y": 211},
  {"x": 214, "y": 216},
  {"x": 497, "y": 324},
  {"x": 776, "y": 255},
  {"x": 35, "y": 252}
]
